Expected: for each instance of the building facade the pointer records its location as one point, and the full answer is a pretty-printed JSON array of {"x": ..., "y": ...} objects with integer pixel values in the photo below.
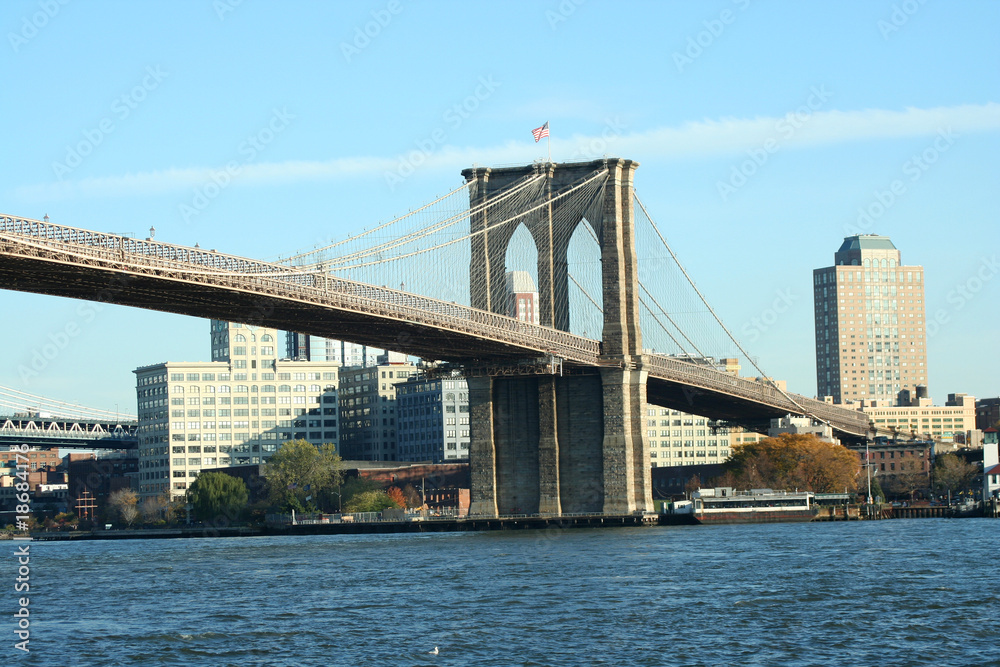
[
  {"x": 987, "y": 413},
  {"x": 303, "y": 347},
  {"x": 678, "y": 438},
  {"x": 870, "y": 326},
  {"x": 433, "y": 419},
  {"x": 955, "y": 419},
  {"x": 794, "y": 425},
  {"x": 522, "y": 297},
  {"x": 235, "y": 410},
  {"x": 368, "y": 410}
]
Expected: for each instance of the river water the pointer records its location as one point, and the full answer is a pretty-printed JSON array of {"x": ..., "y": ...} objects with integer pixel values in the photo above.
[{"x": 903, "y": 592}]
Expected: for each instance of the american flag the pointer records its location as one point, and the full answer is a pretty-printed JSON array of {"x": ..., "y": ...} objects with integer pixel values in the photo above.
[{"x": 540, "y": 132}]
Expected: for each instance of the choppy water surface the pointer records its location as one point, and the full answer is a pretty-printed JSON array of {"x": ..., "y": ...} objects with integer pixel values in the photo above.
[{"x": 905, "y": 592}]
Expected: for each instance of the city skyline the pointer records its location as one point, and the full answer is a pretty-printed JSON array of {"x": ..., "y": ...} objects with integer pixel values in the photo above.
[{"x": 753, "y": 177}]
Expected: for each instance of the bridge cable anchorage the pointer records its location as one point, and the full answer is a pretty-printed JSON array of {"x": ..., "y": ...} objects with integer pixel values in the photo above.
[{"x": 764, "y": 375}]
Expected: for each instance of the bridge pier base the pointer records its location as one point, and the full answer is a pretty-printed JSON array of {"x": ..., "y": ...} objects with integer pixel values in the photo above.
[{"x": 553, "y": 445}]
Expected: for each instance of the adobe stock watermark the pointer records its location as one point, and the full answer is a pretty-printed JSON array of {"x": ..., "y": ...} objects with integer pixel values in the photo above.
[
  {"x": 220, "y": 179},
  {"x": 613, "y": 129},
  {"x": 363, "y": 35},
  {"x": 53, "y": 345},
  {"x": 31, "y": 25},
  {"x": 704, "y": 39},
  {"x": 963, "y": 294},
  {"x": 900, "y": 16},
  {"x": 784, "y": 129},
  {"x": 22, "y": 583},
  {"x": 453, "y": 118},
  {"x": 562, "y": 12},
  {"x": 224, "y": 7},
  {"x": 121, "y": 108},
  {"x": 914, "y": 168},
  {"x": 767, "y": 318}
]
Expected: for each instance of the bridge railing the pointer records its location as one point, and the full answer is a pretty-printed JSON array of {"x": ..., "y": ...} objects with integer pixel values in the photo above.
[
  {"x": 716, "y": 380},
  {"x": 201, "y": 266},
  {"x": 206, "y": 259}
]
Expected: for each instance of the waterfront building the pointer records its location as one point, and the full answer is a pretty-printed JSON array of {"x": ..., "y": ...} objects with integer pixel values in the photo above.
[
  {"x": 38, "y": 458},
  {"x": 677, "y": 438},
  {"x": 799, "y": 425},
  {"x": 234, "y": 410},
  {"x": 432, "y": 419},
  {"x": 368, "y": 409},
  {"x": 900, "y": 465},
  {"x": 97, "y": 476},
  {"x": 987, "y": 413},
  {"x": 991, "y": 465},
  {"x": 870, "y": 326},
  {"x": 955, "y": 420}
]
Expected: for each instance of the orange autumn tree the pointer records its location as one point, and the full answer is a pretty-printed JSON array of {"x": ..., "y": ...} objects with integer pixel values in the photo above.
[
  {"x": 396, "y": 495},
  {"x": 794, "y": 461}
]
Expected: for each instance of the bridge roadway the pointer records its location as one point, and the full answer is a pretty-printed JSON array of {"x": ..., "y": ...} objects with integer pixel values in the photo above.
[
  {"x": 68, "y": 433},
  {"x": 44, "y": 258}
]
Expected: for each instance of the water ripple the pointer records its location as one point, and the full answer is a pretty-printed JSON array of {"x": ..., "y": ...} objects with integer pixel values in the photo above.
[{"x": 892, "y": 592}]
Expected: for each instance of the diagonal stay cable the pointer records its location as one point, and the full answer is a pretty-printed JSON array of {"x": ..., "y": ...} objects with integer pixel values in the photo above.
[
  {"x": 669, "y": 319},
  {"x": 719, "y": 320}
]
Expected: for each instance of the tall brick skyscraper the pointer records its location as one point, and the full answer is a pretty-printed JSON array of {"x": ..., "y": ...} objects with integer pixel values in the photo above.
[{"x": 871, "y": 338}]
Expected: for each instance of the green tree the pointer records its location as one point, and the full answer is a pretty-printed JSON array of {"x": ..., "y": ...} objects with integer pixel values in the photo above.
[
  {"x": 354, "y": 486},
  {"x": 304, "y": 477},
  {"x": 878, "y": 495},
  {"x": 370, "y": 501},
  {"x": 953, "y": 473},
  {"x": 217, "y": 495}
]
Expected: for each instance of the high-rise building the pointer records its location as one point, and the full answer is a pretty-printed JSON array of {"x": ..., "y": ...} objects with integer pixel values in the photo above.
[
  {"x": 871, "y": 340},
  {"x": 303, "y": 347},
  {"x": 368, "y": 409},
  {"x": 234, "y": 410},
  {"x": 432, "y": 419},
  {"x": 522, "y": 297}
]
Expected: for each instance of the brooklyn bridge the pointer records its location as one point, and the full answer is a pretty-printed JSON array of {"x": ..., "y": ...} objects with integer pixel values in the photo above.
[{"x": 556, "y": 407}]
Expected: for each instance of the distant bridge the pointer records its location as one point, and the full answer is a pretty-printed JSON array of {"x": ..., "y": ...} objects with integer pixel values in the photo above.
[
  {"x": 42, "y": 422},
  {"x": 72, "y": 434}
]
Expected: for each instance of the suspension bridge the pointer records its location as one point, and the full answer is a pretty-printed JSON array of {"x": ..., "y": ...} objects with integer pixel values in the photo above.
[
  {"x": 556, "y": 413},
  {"x": 38, "y": 421}
]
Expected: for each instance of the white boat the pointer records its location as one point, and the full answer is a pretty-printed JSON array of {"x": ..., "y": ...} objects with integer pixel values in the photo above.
[{"x": 724, "y": 505}]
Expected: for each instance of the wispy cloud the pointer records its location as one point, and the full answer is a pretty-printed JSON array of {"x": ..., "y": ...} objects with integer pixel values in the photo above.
[{"x": 703, "y": 138}]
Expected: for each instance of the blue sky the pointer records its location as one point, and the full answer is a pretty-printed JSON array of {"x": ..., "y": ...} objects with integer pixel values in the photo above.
[{"x": 837, "y": 101}]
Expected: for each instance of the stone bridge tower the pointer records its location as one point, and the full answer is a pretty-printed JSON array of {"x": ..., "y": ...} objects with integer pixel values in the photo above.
[{"x": 547, "y": 443}]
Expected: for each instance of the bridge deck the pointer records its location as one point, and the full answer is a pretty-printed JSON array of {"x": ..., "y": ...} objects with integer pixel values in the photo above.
[{"x": 51, "y": 259}]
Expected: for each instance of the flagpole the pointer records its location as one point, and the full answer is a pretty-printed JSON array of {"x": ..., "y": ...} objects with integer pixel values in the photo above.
[{"x": 548, "y": 142}]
